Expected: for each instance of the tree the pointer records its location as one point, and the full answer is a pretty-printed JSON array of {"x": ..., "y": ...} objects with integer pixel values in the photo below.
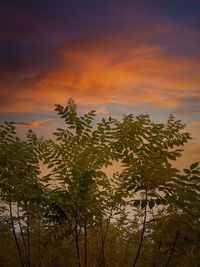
[
  {"x": 147, "y": 149},
  {"x": 75, "y": 159},
  {"x": 78, "y": 215},
  {"x": 19, "y": 184}
]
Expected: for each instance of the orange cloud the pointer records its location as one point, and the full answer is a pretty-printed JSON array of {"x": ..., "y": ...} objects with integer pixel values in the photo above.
[
  {"x": 114, "y": 68},
  {"x": 35, "y": 123},
  {"x": 147, "y": 76},
  {"x": 102, "y": 110}
]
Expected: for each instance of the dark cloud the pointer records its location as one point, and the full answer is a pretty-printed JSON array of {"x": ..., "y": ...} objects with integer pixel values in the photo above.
[
  {"x": 26, "y": 63},
  {"x": 5, "y": 98},
  {"x": 14, "y": 56},
  {"x": 30, "y": 30}
]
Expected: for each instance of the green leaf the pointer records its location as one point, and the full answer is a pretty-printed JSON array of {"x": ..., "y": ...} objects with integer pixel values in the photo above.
[
  {"x": 151, "y": 203},
  {"x": 158, "y": 201},
  {"x": 186, "y": 171},
  {"x": 194, "y": 165},
  {"x": 143, "y": 203},
  {"x": 136, "y": 203},
  {"x": 50, "y": 165},
  {"x": 171, "y": 156},
  {"x": 130, "y": 187},
  {"x": 195, "y": 172}
]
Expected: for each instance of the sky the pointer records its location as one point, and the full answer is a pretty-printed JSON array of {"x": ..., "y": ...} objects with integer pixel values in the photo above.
[{"x": 115, "y": 56}]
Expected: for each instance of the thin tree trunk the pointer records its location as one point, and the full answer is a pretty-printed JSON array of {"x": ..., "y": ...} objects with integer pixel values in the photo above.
[
  {"x": 103, "y": 240},
  {"x": 172, "y": 250},
  {"x": 22, "y": 234},
  {"x": 14, "y": 233},
  {"x": 77, "y": 242},
  {"x": 28, "y": 238},
  {"x": 85, "y": 244},
  {"x": 142, "y": 234},
  {"x": 39, "y": 243}
]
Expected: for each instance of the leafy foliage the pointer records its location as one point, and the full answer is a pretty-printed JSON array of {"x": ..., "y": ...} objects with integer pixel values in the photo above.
[{"x": 59, "y": 207}]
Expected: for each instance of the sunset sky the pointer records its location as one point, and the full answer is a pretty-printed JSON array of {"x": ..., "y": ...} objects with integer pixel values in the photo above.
[{"x": 115, "y": 56}]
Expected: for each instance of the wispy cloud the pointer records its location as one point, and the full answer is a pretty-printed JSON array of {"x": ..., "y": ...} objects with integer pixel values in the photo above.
[
  {"x": 189, "y": 104},
  {"x": 102, "y": 111},
  {"x": 34, "y": 123}
]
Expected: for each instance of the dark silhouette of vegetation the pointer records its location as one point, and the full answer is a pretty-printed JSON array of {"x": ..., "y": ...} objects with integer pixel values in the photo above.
[{"x": 59, "y": 207}]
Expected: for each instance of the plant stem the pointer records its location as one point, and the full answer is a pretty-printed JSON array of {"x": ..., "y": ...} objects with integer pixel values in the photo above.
[
  {"x": 21, "y": 232},
  {"x": 77, "y": 242},
  {"x": 172, "y": 250},
  {"x": 14, "y": 233},
  {"x": 28, "y": 238},
  {"x": 85, "y": 244},
  {"x": 103, "y": 240},
  {"x": 142, "y": 234}
]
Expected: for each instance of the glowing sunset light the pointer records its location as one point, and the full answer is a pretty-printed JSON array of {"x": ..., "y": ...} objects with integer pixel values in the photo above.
[
  {"x": 117, "y": 57},
  {"x": 32, "y": 123}
]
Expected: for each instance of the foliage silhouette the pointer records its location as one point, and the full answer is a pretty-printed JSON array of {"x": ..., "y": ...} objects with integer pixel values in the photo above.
[{"x": 145, "y": 214}]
